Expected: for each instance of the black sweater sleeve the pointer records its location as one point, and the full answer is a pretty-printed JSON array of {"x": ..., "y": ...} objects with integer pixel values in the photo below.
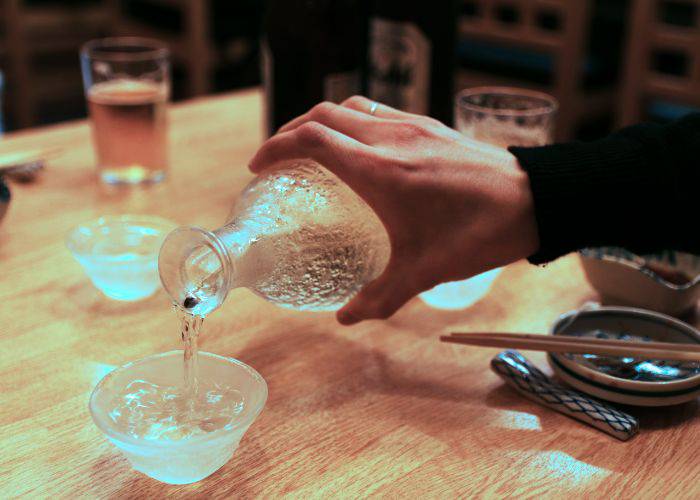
[{"x": 635, "y": 188}]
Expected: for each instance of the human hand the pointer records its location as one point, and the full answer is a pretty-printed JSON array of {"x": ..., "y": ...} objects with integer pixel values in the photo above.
[{"x": 453, "y": 207}]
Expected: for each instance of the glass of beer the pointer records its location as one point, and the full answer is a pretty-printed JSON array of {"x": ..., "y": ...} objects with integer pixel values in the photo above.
[
  {"x": 127, "y": 86},
  {"x": 500, "y": 116}
]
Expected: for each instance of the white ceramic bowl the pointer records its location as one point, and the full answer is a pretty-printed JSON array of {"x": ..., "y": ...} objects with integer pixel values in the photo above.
[
  {"x": 629, "y": 381},
  {"x": 649, "y": 281}
]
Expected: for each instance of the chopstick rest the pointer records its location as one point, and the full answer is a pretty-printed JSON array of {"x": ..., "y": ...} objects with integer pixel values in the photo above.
[{"x": 528, "y": 380}]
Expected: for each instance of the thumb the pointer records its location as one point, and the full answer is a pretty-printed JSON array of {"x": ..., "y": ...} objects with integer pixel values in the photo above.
[{"x": 379, "y": 299}]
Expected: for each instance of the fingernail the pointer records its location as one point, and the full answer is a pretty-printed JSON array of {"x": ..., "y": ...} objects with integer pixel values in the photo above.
[{"x": 347, "y": 318}]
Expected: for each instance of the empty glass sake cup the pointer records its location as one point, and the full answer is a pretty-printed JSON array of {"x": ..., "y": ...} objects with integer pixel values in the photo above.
[
  {"x": 180, "y": 459},
  {"x": 120, "y": 253}
]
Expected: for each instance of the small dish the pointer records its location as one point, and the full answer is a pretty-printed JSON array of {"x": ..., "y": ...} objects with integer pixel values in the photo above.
[
  {"x": 668, "y": 282},
  {"x": 120, "y": 253},
  {"x": 25, "y": 166},
  {"x": 628, "y": 380},
  {"x": 188, "y": 459}
]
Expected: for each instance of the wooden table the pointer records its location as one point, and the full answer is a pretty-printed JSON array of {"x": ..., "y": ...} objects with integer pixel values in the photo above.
[{"x": 381, "y": 408}]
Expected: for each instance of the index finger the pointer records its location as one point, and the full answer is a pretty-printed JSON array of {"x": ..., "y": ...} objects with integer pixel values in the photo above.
[{"x": 346, "y": 157}]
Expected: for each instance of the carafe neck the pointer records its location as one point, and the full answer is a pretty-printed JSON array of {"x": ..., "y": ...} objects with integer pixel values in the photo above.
[{"x": 196, "y": 269}]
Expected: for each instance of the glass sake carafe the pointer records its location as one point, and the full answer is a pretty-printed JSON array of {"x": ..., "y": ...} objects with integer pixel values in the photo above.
[{"x": 297, "y": 236}]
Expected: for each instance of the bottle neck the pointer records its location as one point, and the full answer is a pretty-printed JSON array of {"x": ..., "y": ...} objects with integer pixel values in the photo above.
[
  {"x": 196, "y": 269},
  {"x": 224, "y": 256}
]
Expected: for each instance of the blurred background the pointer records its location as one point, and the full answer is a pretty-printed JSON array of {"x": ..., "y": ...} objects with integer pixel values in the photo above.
[{"x": 608, "y": 62}]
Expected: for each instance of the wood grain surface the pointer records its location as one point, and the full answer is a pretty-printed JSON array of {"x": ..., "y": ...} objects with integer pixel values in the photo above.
[{"x": 379, "y": 409}]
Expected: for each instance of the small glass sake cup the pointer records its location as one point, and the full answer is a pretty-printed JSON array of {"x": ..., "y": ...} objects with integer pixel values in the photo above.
[
  {"x": 120, "y": 253},
  {"x": 193, "y": 458}
]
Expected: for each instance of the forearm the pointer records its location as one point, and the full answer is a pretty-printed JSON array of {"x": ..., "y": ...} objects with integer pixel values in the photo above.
[{"x": 635, "y": 188}]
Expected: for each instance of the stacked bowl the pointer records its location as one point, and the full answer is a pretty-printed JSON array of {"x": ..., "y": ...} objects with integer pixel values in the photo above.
[{"x": 627, "y": 380}]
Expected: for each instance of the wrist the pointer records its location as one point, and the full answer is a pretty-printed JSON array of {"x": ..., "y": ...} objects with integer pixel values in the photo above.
[{"x": 526, "y": 234}]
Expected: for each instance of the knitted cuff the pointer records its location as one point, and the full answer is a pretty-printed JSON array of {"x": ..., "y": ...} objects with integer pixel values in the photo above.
[{"x": 588, "y": 194}]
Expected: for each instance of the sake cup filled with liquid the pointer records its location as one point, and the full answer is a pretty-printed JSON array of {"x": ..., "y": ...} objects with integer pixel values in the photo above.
[{"x": 171, "y": 431}]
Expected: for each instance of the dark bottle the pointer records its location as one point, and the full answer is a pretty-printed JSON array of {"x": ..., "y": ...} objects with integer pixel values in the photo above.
[
  {"x": 312, "y": 50},
  {"x": 412, "y": 56}
]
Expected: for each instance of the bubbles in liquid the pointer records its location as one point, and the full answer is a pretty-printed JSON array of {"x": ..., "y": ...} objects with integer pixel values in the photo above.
[
  {"x": 189, "y": 332},
  {"x": 150, "y": 411},
  {"x": 306, "y": 241},
  {"x": 311, "y": 272}
]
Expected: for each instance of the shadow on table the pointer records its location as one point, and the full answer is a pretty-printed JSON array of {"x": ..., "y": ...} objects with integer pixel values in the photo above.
[
  {"x": 662, "y": 417},
  {"x": 336, "y": 370},
  {"x": 421, "y": 320},
  {"x": 461, "y": 407},
  {"x": 434, "y": 398}
]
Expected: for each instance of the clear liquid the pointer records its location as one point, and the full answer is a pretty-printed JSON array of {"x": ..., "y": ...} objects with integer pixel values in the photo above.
[
  {"x": 304, "y": 240},
  {"x": 129, "y": 129},
  {"x": 313, "y": 268},
  {"x": 147, "y": 410},
  {"x": 189, "y": 332}
]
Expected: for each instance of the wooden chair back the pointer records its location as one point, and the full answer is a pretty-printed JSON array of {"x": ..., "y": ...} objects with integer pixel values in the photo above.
[
  {"x": 556, "y": 27},
  {"x": 651, "y": 38}
]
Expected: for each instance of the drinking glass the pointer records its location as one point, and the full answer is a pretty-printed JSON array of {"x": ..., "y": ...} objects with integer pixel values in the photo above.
[
  {"x": 127, "y": 86},
  {"x": 501, "y": 116},
  {"x": 505, "y": 116}
]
